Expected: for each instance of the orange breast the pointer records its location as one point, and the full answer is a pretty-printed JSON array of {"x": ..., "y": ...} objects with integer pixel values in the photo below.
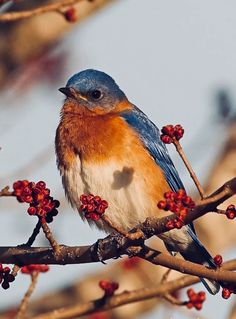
[{"x": 108, "y": 138}]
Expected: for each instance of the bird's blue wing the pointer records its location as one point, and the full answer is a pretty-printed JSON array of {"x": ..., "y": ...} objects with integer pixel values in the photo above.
[{"x": 150, "y": 136}]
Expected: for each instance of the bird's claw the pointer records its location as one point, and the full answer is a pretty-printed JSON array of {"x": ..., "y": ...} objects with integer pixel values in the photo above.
[
  {"x": 104, "y": 247},
  {"x": 98, "y": 251}
]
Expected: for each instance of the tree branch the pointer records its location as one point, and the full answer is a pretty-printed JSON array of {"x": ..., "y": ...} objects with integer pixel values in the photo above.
[
  {"x": 126, "y": 297},
  {"x": 108, "y": 246}
]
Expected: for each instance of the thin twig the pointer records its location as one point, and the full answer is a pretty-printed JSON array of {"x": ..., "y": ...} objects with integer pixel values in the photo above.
[
  {"x": 165, "y": 276},
  {"x": 174, "y": 301},
  {"x": 189, "y": 167},
  {"x": 47, "y": 232},
  {"x": 5, "y": 192},
  {"x": 13, "y": 16},
  {"x": 15, "y": 270},
  {"x": 132, "y": 236},
  {"x": 25, "y": 301}
]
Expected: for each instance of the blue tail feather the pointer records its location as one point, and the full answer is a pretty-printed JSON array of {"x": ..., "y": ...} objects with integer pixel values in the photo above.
[{"x": 197, "y": 253}]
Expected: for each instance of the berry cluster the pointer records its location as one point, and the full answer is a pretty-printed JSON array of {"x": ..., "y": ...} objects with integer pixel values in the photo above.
[
  {"x": 93, "y": 207},
  {"x": 5, "y": 277},
  {"x": 195, "y": 299},
  {"x": 218, "y": 260},
  {"x": 109, "y": 287},
  {"x": 38, "y": 196},
  {"x": 171, "y": 132},
  {"x": 71, "y": 15},
  {"x": 231, "y": 211},
  {"x": 34, "y": 268},
  {"x": 130, "y": 263},
  {"x": 178, "y": 203}
]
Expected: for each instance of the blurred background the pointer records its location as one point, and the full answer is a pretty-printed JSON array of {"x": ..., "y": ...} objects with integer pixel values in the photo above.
[{"x": 176, "y": 60}]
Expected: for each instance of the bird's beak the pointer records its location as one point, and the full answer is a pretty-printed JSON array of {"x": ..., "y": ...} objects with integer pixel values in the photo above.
[{"x": 69, "y": 92}]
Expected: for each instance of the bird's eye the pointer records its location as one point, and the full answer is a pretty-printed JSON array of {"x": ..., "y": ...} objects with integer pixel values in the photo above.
[{"x": 96, "y": 95}]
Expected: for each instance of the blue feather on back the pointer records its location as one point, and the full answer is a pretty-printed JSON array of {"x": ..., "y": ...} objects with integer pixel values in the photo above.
[{"x": 150, "y": 136}]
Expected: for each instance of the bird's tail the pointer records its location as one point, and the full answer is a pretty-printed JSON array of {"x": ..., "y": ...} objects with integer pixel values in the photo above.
[{"x": 197, "y": 253}]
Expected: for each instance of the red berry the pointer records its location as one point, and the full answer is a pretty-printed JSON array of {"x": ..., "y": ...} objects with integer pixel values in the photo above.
[
  {"x": 104, "y": 203},
  {"x": 100, "y": 210},
  {"x": 17, "y": 185},
  {"x": 6, "y": 269},
  {"x": 161, "y": 204},
  {"x": 166, "y": 139},
  {"x": 90, "y": 198},
  {"x": 226, "y": 293},
  {"x": 201, "y": 296},
  {"x": 27, "y": 191},
  {"x": 181, "y": 192},
  {"x": 83, "y": 199},
  {"x": 189, "y": 305},
  {"x": 190, "y": 292},
  {"x": 178, "y": 132},
  {"x": 71, "y": 15},
  {"x": 28, "y": 199},
  {"x": 108, "y": 287},
  {"x": 198, "y": 306},
  {"x": 90, "y": 208},
  {"x": 168, "y": 130},
  {"x": 39, "y": 197},
  {"x": 56, "y": 203},
  {"x": 10, "y": 278},
  {"x": 5, "y": 284},
  {"x": 31, "y": 210},
  {"x": 94, "y": 216},
  {"x": 218, "y": 260},
  {"x": 230, "y": 214},
  {"x": 41, "y": 185},
  {"x": 54, "y": 212},
  {"x": 187, "y": 200}
]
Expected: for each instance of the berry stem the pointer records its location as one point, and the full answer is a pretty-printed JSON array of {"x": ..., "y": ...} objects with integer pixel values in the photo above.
[
  {"x": 15, "y": 270},
  {"x": 189, "y": 167},
  {"x": 47, "y": 232},
  {"x": 25, "y": 301},
  {"x": 132, "y": 236},
  {"x": 34, "y": 234},
  {"x": 165, "y": 276},
  {"x": 174, "y": 301}
]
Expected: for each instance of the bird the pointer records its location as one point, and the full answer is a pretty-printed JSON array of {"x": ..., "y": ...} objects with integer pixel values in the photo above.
[{"x": 107, "y": 146}]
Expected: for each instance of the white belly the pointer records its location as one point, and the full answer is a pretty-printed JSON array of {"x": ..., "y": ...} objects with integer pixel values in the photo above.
[
  {"x": 121, "y": 186},
  {"x": 124, "y": 189}
]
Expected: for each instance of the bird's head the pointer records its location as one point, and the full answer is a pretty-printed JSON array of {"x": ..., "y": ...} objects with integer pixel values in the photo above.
[{"x": 93, "y": 90}]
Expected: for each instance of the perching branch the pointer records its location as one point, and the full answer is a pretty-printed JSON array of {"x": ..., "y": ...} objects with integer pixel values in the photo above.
[{"x": 108, "y": 246}]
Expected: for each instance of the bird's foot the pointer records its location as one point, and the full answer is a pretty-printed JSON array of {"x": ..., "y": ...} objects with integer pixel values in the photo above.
[{"x": 109, "y": 247}]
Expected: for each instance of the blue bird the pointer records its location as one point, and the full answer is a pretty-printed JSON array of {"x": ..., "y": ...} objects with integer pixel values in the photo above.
[{"x": 107, "y": 146}]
